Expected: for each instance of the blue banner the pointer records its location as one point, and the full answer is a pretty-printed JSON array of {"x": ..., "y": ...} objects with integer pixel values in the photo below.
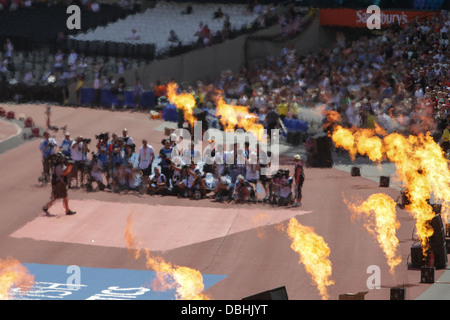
[{"x": 59, "y": 282}]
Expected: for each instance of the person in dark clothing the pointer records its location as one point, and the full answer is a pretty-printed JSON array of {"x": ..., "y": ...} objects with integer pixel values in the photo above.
[
  {"x": 299, "y": 176},
  {"x": 272, "y": 121}
]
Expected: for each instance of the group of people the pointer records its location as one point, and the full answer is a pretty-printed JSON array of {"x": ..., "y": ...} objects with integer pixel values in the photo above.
[
  {"x": 221, "y": 172},
  {"x": 398, "y": 80}
]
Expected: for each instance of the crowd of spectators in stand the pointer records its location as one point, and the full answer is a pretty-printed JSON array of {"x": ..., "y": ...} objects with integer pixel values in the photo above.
[{"x": 399, "y": 80}]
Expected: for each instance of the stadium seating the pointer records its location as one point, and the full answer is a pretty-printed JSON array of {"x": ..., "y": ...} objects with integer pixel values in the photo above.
[
  {"x": 153, "y": 26},
  {"x": 34, "y": 27}
]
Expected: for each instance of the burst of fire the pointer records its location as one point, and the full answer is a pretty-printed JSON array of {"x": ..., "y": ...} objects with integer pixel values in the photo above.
[
  {"x": 436, "y": 169},
  {"x": 233, "y": 116},
  {"x": 183, "y": 101},
  {"x": 363, "y": 141},
  {"x": 410, "y": 169},
  {"x": 382, "y": 223},
  {"x": 420, "y": 165},
  {"x": 187, "y": 282},
  {"x": 314, "y": 253},
  {"x": 13, "y": 274}
]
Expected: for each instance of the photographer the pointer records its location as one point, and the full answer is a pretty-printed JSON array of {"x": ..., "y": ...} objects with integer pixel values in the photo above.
[
  {"x": 190, "y": 177},
  {"x": 158, "y": 183},
  {"x": 242, "y": 190},
  {"x": 286, "y": 182},
  {"x": 78, "y": 154},
  {"x": 66, "y": 144},
  {"x": 128, "y": 140},
  {"x": 59, "y": 184},
  {"x": 103, "y": 156},
  {"x": 224, "y": 188},
  {"x": 165, "y": 154},
  {"x": 47, "y": 148},
  {"x": 118, "y": 153}
]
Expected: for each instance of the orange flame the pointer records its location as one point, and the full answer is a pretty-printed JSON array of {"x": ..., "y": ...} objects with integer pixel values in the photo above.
[
  {"x": 187, "y": 282},
  {"x": 13, "y": 274},
  {"x": 403, "y": 152},
  {"x": 314, "y": 253},
  {"x": 420, "y": 164},
  {"x": 183, "y": 101},
  {"x": 382, "y": 223},
  {"x": 232, "y": 116},
  {"x": 363, "y": 141}
]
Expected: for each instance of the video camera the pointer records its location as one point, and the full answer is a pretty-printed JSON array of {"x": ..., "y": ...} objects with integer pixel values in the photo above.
[
  {"x": 61, "y": 158},
  {"x": 86, "y": 140},
  {"x": 102, "y": 136},
  {"x": 282, "y": 173}
]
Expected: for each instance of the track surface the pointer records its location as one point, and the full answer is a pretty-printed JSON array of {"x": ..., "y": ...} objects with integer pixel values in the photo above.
[{"x": 246, "y": 254}]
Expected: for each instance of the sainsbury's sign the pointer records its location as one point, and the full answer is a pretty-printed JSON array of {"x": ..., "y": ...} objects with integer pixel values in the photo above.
[{"x": 359, "y": 18}]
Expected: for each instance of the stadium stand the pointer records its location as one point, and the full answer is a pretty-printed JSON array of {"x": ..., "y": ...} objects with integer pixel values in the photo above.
[
  {"x": 153, "y": 25},
  {"x": 101, "y": 46},
  {"x": 38, "y": 25}
]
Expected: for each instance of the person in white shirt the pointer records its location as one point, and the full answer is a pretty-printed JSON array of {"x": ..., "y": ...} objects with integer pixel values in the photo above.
[
  {"x": 128, "y": 140},
  {"x": 72, "y": 58},
  {"x": 134, "y": 35},
  {"x": 59, "y": 58},
  {"x": 146, "y": 157},
  {"x": 78, "y": 152}
]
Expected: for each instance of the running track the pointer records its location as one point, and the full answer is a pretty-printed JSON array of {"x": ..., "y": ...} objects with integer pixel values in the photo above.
[{"x": 238, "y": 254}]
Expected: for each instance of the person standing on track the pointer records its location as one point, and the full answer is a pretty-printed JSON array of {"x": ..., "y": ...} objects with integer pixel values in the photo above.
[
  {"x": 47, "y": 148},
  {"x": 59, "y": 184},
  {"x": 299, "y": 176}
]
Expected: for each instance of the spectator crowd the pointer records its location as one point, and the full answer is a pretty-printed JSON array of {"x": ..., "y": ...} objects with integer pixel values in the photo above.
[{"x": 398, "y": 80}]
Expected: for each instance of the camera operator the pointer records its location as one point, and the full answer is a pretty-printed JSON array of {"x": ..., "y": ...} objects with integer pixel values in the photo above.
[
  {"x": 128, "y": 140},
  {"x": 165, "y": 154},
  {"x": 158, "y": 183},
  {"x": 286, "y": 182},
  {"x": 119, "y": 154},
  {"x": 190, "y": 177},
  {"x": 199, "y": 186},
  {"x": 66, "y": 144},
  {"x": 103, "y": 156},
  {"x": 59, "y": 184},
  {"x": 224, "y": 188},
  {"x": 47, "y": 148},
  {"x": 242, "y": 189},
  {"x": 78, "y": 153}
]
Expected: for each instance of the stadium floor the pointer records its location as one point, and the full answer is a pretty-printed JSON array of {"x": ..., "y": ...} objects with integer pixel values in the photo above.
[{"x": 240, "y": 249}]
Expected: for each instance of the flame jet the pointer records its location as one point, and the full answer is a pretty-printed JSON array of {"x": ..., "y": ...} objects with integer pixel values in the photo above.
[
  {"x": 13, "y": 274},
  {"x": 420, "y": 164},
  {"x": 187, "y": 282},
  {"x": 382, "y": 223},
  {"x": 314, "y": 253}
]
